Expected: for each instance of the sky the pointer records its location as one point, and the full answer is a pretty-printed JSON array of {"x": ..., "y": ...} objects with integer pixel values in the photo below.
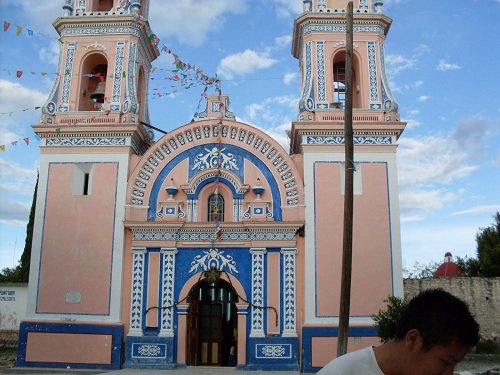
[{"x": 442, "y": 60}]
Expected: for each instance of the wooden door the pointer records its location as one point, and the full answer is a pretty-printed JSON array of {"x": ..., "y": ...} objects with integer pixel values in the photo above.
[
  {"x": 210, "y": 334},
  {"x": 192, "y": 333}
]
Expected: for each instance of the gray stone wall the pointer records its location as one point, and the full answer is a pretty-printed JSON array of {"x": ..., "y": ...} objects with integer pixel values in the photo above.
[{"x": 481, "y": 294}]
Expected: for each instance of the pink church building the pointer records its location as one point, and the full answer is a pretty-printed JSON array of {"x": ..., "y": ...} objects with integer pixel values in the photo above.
[{"x": 212, "y": 240}]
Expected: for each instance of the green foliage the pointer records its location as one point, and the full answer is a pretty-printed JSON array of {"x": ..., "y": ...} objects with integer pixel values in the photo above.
[
  {"x": 386, "y": 321},
  {"x": 20, "y": 273},
  {"x": 470, "y": 266},
  {"x": 488, "y": 248}
]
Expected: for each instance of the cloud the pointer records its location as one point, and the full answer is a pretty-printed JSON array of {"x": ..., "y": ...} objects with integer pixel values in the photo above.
[
  {"x": 14, "y": 212},
  {"x": 12, "y": 93},
  {"x": 288, "y": 8},
  {"x": 272, "y": 115},
  {"x": 484, "y": 209},
  {"x": 15, "y": 180},
  {"x": 423, "y": 98},
  {"x": 421, "y": 49},
  {"x": 471, "y": 134},
  {"x": 14, "y": 98},
  {"x": 395, "y": 64},
  {"x": 425, "y": 200},
  {"x": 35, "y": 14},
  {"x": 445, "y": 66},
  {"x": 192, "y": 21},
  {"x": 244, "y": 62},
  {"x": 50, "y": 54},
  {"x": 289, "y": 78},
  {"x": 432, "y": 159},
  {"x": 283, "y": 41}
]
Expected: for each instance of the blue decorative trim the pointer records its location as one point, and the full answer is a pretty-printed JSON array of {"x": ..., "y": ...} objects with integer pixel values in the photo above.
[
  {"x": 242, "y": 153},
  {"x": 320, "y": 56},
  {"x": 116, "y": 331},
  {"x": 289, "y": 317},
  {"x": 225, "y": 181},
  {"x": 272, "y": 353},
  {"x": 340, "y": 140},
  {"x": 318, "y": 28},
  {"x": 309, "y": 333},
  {"x": 149, "y": 352},
  {"x": 257, "y": 314},
  {"x": 71, "y": 142},
  {"x": 388, "y": 100},
  {"x": 68, "y": 74},
  {"x": 130, "y": 103},
  {"x": 117, "y": 79},
  {"x": 372, "y": 71},
  {"x": 246, "y": 234},
  {"x": 306, "y": 103}
]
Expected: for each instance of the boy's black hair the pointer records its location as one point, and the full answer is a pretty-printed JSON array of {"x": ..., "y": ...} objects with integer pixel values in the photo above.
[{"x": 441, "y": 318}]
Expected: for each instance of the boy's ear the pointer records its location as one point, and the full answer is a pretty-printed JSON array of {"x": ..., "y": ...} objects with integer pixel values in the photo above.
[{"x": 413, "y": 339}]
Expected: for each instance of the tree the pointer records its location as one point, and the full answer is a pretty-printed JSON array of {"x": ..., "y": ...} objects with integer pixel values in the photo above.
[
  {"x": 386, "y": 321},
  {"x": 488, "y": 248},
  {"x": 421, "y": 270},
  {"x": 20, "y": 273}
]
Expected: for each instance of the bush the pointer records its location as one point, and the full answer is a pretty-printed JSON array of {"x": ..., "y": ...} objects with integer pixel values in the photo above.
[{"x": 386, "y": 321}]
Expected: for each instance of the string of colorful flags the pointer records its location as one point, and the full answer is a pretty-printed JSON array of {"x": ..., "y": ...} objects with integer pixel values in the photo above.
[{"x": 184, "y": 76}]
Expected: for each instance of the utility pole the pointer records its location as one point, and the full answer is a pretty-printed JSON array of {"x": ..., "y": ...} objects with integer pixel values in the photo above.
[{"x": 345, "y": 285}]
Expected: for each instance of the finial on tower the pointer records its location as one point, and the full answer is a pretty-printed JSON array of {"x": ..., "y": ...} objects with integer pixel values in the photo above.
[{"x": 378, "y": 6}]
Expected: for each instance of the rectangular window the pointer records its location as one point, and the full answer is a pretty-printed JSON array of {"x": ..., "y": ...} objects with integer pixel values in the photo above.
[
  {"x": 86, "y": 184},
  {"x": 82, "y": 179}
]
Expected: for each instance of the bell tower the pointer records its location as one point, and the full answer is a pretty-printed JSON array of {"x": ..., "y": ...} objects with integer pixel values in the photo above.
[
  {"x": 319, "y": 43},
  {"x": 91, "y": 135}
]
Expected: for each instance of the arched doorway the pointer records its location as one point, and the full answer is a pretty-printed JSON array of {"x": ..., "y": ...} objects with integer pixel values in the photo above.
[{"x": 212, "y": 324}]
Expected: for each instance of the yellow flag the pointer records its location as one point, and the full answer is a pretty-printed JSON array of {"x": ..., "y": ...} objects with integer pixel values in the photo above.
[
  {"x": 19, "y": 30},
  {"x": 2, "y": 147}
]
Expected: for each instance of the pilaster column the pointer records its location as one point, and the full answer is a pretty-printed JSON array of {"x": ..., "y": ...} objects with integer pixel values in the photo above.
[
  {"x": 167, "y": 291},
  {"x": 241, "y": 357},
  {"x": 182, "y": 332},
  {"x": 138, "y": 266},
  {"x": 257, "y": 314},
  {"x": 289, "y": 295}
]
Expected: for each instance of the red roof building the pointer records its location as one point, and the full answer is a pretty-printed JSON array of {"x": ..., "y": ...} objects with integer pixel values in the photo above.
[{"x": 449, "y": 268}]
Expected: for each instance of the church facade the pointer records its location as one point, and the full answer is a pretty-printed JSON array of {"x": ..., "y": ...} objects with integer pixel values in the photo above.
[{"x": 211, "y": 246}]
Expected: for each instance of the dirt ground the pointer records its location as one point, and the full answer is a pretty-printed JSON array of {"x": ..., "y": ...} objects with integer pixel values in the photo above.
[{"x": 473, "y": 363}]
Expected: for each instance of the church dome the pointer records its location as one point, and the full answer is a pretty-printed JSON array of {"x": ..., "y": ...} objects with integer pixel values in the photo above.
[{"x": 449, "y": 268}]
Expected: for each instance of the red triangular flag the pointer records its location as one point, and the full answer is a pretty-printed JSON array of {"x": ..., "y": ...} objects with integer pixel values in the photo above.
[
  {"x": 6, "y": 26},
  {"x": 27, "y": 140},
  {"x": 19, "y": 73}
]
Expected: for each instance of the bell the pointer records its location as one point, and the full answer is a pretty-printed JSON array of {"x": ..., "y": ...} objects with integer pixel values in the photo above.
[{"x": 98, "y": 95}]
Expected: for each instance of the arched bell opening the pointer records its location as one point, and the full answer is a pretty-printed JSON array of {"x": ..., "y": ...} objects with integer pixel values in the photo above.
[
  {"x": 212, "y": 324},
  {"x": 339, "y": 80},
  {"x": 101, "y": 5},
  {"x": 93, "y": 83}
]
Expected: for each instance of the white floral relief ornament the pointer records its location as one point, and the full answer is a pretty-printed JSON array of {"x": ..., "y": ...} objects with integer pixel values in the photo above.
[{"x": 213, "y": 258}]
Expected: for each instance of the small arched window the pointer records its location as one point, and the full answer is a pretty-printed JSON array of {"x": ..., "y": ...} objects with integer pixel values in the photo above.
[
  {"x": 216, "y": 208},
  {"x": 339, "y": 82}
]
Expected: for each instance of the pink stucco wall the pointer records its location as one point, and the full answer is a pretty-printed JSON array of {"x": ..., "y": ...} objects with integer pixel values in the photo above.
[
  {"x": 371, "y": 273},
  {"x": 324, "y": 349},
  {"x": 69, "y": 348},
  {"x": 77, "y": 244}
]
